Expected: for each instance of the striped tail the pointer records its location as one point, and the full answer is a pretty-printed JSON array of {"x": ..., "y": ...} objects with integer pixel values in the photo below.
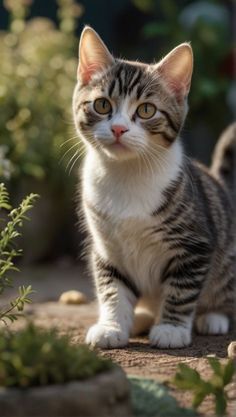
[{"x": 224, "y": 160}]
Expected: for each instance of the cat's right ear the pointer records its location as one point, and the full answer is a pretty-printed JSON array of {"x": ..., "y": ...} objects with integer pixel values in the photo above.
[{"x": 93, "y": 55}]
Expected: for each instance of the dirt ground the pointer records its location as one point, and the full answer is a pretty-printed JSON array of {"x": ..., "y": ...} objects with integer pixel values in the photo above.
[{"x": 138, "y": 359}]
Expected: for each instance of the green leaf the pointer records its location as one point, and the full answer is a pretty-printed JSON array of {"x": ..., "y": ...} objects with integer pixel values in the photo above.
[
  {"x": 228, "y": 371},
  {"x": 189, "y": 374},
  {"x": 215, "y": 365},
  {"x": 155, "y": 29},
  {"x": 217, "y": 382},
  {"x": 198, "y": 398},
  {"x": 220, "y": 404},
  {"x": 180, "y": 382}
]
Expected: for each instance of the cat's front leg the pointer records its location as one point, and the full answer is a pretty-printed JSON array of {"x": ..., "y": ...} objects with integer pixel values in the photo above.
[
  {"x": 117, "y": 297},
  {"x": 181, "y": 295}
]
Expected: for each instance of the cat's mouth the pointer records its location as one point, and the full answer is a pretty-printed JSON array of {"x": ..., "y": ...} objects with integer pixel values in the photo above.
[
  {"x": 115, "y": 145},
  {"x": 117, "y": 149},
  {"x": 119, "y": 146}
]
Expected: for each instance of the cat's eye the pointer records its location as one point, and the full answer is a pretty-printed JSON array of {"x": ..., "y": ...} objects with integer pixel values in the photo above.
[
  {"x": 102, "y": 106},
  {"x": 146, "y": 110}
]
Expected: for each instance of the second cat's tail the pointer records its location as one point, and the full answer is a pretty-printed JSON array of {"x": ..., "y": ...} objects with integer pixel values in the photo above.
[{"x": 224, "y": 160}]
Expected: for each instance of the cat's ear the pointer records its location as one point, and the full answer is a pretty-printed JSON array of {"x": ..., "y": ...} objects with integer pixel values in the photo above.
[
  {"x": 176, "y": 68},
  {"x": 93, "y": 55}
]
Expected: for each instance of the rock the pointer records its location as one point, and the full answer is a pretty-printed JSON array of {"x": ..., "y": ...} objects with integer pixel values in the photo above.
[
  {"x": 73, "y": 297},
  {"x": 232, "y": 350},
  {"x": 106, "y": 394}
]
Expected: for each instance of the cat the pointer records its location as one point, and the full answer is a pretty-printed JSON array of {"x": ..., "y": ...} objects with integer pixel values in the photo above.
[{"x": 161, "y": 224}]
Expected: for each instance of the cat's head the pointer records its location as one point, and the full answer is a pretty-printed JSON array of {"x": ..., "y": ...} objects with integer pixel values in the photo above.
[{"x": 127, "y": 109}]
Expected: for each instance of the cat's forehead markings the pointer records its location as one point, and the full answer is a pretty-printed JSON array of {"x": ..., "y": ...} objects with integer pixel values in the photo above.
[{"x": 124, "y": 79}]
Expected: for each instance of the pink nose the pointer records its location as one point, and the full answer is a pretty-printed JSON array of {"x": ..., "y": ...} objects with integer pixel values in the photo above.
[{"x": 118, "y": 130}]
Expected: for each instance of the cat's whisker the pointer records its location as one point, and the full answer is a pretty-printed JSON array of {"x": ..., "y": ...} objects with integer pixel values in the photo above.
[
  {"x": 142, "y": 162},
  {"x": 68, "y": 140},
  {"x": 72, "y": 166},
  {"x": 160, "y": 158},
  {"x": 68, "y": 150},
  {"x": 154, "y": 156},
  {"x": 148, "y": 163},
  {"x": 71, "y": 159}
]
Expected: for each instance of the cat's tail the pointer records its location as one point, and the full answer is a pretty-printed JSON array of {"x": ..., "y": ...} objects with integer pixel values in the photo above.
[{"x": 224, "y": 159}]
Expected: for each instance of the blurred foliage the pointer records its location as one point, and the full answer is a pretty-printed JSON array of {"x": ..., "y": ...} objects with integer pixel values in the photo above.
[
  {"x": 190, "y": 379},
  {"x": 34, "y": 356},
  {"x": 152, "y": 398},
  {"x": 37, "y": 76},
  {"x": 11, "y": 221},
  {"x": 206, "y": 24}
]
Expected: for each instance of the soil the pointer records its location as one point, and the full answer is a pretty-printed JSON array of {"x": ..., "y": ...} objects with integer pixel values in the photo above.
[{"x": 138, "y": 359}]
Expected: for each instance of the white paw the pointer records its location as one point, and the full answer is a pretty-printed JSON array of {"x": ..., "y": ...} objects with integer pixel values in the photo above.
[
  {"x": 106, "y": 337},
  {"x": 212, "y": 323},
  {"x": 169, "y": 336}
]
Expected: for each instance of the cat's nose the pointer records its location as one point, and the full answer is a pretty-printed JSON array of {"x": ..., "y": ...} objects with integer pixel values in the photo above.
[{"x": 118, "y": 130}]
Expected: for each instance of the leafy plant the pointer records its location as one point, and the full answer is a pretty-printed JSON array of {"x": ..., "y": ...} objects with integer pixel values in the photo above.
[
  {"x": 37, "y": 77},
  {"x": 33, "y": 357},
  {"x": 9, "y": 231},
  {"x": 190, "y": 379}
]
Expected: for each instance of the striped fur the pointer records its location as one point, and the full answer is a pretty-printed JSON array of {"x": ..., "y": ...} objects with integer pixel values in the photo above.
[{"x": 161, "y": 224}]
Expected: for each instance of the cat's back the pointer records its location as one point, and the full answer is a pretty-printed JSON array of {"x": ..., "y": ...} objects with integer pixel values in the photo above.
[{"x": 212, "y": 200}]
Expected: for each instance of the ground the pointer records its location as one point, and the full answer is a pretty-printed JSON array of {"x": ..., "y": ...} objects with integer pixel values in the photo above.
[{"x": 138, "y": 359}]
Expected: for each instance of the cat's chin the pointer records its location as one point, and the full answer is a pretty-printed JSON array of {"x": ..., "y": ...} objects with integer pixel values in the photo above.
[{"x": 118, "y": 151}]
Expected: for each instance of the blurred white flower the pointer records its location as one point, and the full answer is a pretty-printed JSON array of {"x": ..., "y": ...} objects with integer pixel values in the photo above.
[
  {"x": 205, "y": 11},
  {"x": 6, "y": 167}
]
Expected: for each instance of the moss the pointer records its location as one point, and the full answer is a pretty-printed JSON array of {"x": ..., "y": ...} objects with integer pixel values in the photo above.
[{"x": 33, "y": 357}]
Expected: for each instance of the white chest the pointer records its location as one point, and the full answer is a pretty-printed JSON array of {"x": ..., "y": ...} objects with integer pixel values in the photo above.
[{"x": 119, "y": 216}]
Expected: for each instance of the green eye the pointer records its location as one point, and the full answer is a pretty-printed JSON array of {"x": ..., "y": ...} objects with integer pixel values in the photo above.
[
  {"x": 102, "y": 106},
  {"x": 146, "y": 110}
]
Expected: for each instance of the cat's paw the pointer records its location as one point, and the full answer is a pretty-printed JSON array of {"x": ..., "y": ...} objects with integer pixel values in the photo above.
[
  {"x": 106, "y": 337},
  {"x": 169, "y": 336},
  {"x": 212, "y": 323}
]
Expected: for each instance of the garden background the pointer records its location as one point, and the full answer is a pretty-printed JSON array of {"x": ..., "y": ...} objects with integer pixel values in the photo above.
[
  {"x": 40, "y": 153},
  {"x": 38, "y": 55}
]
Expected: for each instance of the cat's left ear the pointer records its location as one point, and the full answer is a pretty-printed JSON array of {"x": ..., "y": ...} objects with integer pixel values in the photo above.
[
  {"x": 93, "y": 55},
  {"x": 176, "y": 69}
]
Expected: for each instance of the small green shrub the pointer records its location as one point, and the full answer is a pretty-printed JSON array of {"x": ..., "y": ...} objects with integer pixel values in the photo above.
[
  {"x": 35, "y": 357},
  {"x": 190, "y": 379},
  {"x": 9, "y": 231},
  {"x": 37, "y": 77}
]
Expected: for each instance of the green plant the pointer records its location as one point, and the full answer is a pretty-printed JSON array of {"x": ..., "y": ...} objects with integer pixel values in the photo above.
[
  {"x": 9, "y": 231},
  {"x": 37, "y": 77},
  {"x": 151, "y": 398},
  {"x": 190, "y": 379},
  {"x": 33, "y": 357},
  {"x": 206, "y": 24}
]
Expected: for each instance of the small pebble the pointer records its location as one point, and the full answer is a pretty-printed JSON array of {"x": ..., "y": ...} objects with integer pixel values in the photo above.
[
  {"x": 232, "y": 350},
  {"x": 73, "y": 297}
]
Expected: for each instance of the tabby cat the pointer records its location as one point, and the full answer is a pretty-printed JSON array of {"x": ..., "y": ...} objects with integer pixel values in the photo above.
[{"x": 161, "y": 224}]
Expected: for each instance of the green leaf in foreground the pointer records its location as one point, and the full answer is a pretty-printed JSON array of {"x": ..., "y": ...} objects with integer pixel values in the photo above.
[
  {"x": 187, "y": 378},
  {"x": 151, "y": 398}
]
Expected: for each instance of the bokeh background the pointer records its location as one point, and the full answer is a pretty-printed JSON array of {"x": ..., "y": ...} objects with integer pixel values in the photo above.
[{"x": 38, "y": 60}]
